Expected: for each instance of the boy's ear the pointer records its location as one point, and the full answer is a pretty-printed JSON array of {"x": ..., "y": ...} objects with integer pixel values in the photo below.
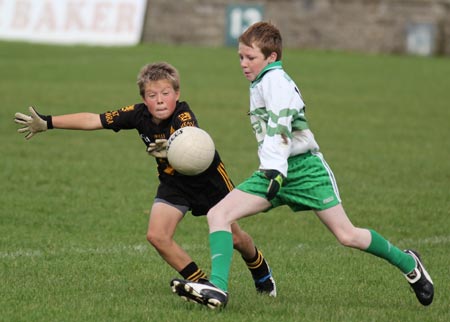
[{"x": 273, "y": 57}]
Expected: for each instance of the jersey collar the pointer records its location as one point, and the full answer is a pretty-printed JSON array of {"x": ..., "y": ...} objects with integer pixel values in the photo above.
[{"x": 271, "y": 66}]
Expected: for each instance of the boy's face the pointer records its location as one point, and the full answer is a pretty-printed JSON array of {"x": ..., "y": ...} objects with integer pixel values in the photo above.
[
  {"x": 161, "y": 99},
  {"x": 253, "y": 61}
]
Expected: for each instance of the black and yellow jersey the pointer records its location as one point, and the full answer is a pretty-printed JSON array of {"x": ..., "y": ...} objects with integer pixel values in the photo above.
[{"x": 138, "y": 117}]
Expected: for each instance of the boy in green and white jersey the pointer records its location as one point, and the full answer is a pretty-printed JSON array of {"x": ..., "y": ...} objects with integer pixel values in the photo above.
[{"x": 292, "y": 172}]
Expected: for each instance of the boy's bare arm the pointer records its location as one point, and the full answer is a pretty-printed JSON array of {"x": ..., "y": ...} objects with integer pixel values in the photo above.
[
  {"x": 36, "y": 122},
  {"x": 77, "y": 121}
]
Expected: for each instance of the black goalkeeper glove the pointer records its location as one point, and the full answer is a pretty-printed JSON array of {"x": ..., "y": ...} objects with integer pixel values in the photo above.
[{"x": 275, "y": 184}]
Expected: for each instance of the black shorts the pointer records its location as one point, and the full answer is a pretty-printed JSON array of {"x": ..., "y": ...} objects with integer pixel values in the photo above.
[{"x": 198, "y": 193}]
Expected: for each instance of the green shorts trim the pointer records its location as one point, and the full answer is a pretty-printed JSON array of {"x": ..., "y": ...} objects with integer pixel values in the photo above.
[{"x": 310, "y": 184}]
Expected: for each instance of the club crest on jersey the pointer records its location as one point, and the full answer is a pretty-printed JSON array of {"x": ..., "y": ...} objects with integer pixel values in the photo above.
[{"x": 184, "y": 117}]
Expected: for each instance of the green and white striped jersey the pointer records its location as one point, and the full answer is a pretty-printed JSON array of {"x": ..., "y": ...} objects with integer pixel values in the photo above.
[{"x": 277, "y": 115}]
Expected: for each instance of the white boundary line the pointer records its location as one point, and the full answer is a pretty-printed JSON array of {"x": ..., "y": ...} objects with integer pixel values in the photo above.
[
  {"x": 147, "y": 248},
  {"x": 119, "y": 249}
]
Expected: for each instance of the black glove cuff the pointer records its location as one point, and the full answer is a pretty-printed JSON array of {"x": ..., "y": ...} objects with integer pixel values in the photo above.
[
  {"x": 48, "y": 118},
  {"x": 271, "y": 174}
]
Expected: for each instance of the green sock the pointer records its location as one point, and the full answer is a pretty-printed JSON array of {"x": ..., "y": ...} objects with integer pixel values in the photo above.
[
  {"x": 221, "y": 246},
  {"x": 384, "y": 249}
]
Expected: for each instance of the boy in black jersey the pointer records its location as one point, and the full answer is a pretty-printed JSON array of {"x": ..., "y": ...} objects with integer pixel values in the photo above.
[{"x": 160, "y": 114}]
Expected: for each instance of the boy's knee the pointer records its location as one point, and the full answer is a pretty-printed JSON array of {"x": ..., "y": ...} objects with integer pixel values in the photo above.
[
  {"x": 156, "y": 240},
  {"x": 216, "y": 218},
  {"x": 347, "y": 239},
  {"x": 150, "y": 238}
]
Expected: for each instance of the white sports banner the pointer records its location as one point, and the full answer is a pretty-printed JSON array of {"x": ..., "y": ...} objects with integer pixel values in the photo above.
[{"x": 94, "y": 22}]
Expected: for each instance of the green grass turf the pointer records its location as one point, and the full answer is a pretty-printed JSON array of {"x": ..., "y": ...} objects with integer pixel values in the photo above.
[{"x": 74, "y": 205}]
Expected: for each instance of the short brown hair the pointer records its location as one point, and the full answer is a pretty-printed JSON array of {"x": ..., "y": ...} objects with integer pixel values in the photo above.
[
  {"x": 155, "y": 72},
  {"x": 265, "y": 36}
]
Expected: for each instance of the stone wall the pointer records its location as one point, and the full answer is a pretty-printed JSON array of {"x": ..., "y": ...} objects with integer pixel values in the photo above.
[{"x": 375, "y": 26}]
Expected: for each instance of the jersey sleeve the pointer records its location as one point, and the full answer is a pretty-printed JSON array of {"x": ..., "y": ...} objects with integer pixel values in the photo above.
[{"x": 124, "y": 118}]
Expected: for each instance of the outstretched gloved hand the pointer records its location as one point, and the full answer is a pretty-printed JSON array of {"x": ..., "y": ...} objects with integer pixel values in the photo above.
[{"x": 33, "y": 123}]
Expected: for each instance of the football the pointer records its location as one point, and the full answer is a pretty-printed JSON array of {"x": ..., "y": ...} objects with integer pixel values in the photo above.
[{"x": 190, "y": 150}]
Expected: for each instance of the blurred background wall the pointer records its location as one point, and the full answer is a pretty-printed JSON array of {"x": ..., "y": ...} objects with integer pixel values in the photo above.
[
  {"x": 376, "y": 26},
  {"x": 419, "y": 27}
]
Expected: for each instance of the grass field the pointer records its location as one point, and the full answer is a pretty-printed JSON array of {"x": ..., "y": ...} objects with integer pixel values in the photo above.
[{"x": 74, "y": 205}]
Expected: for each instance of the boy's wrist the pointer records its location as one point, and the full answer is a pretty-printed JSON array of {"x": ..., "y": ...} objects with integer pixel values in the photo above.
[
  {"x": 48, "y": 119},
  {"x": 276, "y": 182}
]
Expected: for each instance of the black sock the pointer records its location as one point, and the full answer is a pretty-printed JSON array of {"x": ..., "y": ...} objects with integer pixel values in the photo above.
[
  {"x": 192, "y": 272},
  {"x": 257, "y": 266}
]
